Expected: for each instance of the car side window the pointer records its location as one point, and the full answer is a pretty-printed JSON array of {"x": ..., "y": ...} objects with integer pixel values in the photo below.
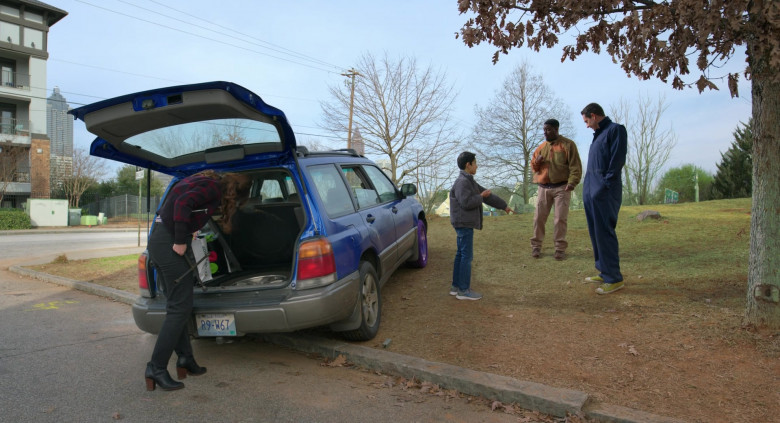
[
  {"x": 331, "y": 189},
  {"x": 362, "y": 190},
  {"x": 382, "y": 183},
  {"x": 271, "y": 191}
]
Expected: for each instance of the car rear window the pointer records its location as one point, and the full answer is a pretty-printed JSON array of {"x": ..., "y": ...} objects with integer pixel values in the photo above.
[{"x": 180, "y": 140}]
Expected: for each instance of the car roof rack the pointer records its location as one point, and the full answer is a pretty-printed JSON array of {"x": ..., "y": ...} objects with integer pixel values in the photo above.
[{"x": 302, "y": 151}]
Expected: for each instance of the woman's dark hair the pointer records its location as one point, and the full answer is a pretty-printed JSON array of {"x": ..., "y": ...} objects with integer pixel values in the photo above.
[
  {"x": 465, "y": 158},
  {"x": 235, "y": 190},
  {"x": 593, "y": 108}
]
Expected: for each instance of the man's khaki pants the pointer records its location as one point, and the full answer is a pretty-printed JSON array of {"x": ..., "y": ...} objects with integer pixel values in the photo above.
[{"x": 546, "y": 198}]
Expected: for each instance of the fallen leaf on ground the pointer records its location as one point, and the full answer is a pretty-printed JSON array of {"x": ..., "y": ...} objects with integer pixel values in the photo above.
[{"x": 339, "y": 361}]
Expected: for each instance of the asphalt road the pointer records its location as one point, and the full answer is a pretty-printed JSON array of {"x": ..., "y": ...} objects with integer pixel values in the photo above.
[
  {"x": 67, "y": 356},
  {"x": 43, "y": 244}
]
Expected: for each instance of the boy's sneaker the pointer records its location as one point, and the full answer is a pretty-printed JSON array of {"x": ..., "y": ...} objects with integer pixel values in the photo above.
[
  {"x": 560, "y": 255},
  {"x": 453, "y": 290},
  {"x": 608, "y": 288},
  {"x": 536, "y": 252},
  {"x": 594, "y": 279},
  {"x": 468, "y": 295}
]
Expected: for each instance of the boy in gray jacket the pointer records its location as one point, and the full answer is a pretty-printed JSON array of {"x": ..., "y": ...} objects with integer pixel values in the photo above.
[{"x": 466, "y": 198}]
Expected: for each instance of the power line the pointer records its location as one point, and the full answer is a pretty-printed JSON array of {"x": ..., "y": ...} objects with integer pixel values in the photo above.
[
  {"x": 203, "y": 37},
  {"x": 275, "y": 47},
  {"x": 116, "y": 70}
]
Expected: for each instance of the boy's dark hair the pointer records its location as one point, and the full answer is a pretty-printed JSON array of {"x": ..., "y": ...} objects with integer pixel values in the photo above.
[
  {"x": 592, "y": 108},
  {"x": 552, "y": 122},
  {"x": 465, "y": 158}
]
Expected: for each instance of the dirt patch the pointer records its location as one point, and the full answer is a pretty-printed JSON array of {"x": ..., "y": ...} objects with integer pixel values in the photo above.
[{"x": 115, "y": 272}]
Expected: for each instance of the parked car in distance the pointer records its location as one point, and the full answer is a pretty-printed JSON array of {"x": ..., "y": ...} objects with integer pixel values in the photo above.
[{"x": 321, "y": 233}]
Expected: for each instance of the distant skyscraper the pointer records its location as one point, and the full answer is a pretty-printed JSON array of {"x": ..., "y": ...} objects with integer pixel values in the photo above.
[
  {"x": 357, "y": 142},
  {"x": 59, "y": 127}
]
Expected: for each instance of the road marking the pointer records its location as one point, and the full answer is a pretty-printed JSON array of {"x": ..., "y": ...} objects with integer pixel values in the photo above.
[{"x": 51, "y": 305}]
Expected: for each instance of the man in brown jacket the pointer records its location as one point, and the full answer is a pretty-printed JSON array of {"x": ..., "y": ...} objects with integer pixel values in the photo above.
[{"x": 557, "y": 169}]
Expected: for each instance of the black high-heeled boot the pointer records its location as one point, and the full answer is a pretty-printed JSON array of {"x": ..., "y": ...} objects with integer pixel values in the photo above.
[
  {"x": 187, "y": 365},
  {"x": 155, "y": 376}
]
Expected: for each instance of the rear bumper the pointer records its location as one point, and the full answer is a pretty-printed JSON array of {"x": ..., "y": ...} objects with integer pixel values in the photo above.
[{"x": 254, "y": 313}]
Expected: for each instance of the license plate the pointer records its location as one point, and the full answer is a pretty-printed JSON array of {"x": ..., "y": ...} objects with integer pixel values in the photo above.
[{"x": 215, "y": 324}]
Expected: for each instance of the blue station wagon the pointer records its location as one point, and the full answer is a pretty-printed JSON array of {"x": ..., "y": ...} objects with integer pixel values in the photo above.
[{"x": 312, "y": 246}]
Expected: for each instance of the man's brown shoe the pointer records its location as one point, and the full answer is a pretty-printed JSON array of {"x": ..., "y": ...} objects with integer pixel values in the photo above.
[
  {"x": 560, "y": 255},
  {"x": 536, "y": 252}
]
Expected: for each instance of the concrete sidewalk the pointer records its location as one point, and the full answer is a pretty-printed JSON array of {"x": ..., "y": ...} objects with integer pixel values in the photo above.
[{"x": 529, "y": 395}]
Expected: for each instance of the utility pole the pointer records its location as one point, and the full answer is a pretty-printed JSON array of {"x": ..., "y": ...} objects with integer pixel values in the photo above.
[{"x": 351, "y": 73}]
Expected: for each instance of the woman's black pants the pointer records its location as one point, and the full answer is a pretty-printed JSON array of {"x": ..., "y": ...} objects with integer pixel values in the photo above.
[{"x": 174, "y": 334}]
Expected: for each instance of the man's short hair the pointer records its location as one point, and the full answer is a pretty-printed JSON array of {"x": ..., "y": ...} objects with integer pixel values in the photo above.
[
  {"x": 465, "y": 158},
  {"x": 593, "y": 108},
  {"x": 553, "y": 122}
]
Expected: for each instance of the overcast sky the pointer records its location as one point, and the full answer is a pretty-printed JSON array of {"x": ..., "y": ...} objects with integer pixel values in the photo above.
[{"x": 289, "y": 52}]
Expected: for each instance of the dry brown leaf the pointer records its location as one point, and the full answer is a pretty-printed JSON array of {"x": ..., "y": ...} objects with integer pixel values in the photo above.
[{"x": 339, "y": 361}]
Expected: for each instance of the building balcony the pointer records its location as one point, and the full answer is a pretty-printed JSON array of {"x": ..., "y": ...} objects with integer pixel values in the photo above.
[
  {"x": 15, "y": 131},
  {"x": 14, "y": 80}
]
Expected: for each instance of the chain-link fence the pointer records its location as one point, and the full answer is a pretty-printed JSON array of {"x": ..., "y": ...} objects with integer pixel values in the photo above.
[{"x": 121, "y": 207}]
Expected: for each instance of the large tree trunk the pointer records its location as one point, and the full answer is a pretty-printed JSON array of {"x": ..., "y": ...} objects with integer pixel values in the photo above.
[{"x": 763, "y": 306}]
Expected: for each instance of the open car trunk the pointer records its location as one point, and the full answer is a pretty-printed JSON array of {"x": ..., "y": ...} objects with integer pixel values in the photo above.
[{"x": 260, "y": 251}]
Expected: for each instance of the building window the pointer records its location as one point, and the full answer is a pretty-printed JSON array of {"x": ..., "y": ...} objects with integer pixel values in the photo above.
[
  {"x": 9, "y": 32},
  {"x": 7, "y": 72},
  {"x": 8, "y": 10},
  {"x": 33, "y": 16},
  {"x": 7, "y": 119},
  {"x": 33, "y": 38}
]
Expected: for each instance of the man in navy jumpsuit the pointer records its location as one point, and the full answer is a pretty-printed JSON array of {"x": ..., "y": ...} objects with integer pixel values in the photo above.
[{"x": 602, "y": 193}]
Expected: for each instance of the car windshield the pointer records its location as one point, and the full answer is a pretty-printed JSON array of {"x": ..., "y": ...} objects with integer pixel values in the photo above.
[{"x": 179, "y": 140}]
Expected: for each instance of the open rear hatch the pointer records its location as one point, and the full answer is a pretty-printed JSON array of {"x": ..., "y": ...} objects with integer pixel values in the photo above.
[{"x": 184, "y": 129}]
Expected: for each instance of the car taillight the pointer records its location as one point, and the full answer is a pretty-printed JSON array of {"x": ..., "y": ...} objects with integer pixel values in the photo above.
[
  {"x": 316, "y": 264},
  {"x": 143, "y": 281}
]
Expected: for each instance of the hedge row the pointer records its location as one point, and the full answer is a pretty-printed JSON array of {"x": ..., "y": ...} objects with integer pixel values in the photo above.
[{"x": 14, "y": 219}]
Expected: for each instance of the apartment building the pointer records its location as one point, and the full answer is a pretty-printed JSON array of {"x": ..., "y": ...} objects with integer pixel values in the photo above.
[{"x": 25, "y": 148}]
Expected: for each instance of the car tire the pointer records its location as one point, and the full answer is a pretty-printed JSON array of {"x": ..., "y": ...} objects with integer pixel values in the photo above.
[
  {"x": 422, "y": 246},
  {"x": 370, "y": 303}
]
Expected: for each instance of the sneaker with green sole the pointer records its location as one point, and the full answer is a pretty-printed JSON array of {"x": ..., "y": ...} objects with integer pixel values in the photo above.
[
  {"x": 594, "y": 279},
  {"x": 608, "y": 288}
]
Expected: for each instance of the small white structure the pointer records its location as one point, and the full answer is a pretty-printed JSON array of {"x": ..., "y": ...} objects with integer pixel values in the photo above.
[
  {"x": 444, "y": 207},
  {"x": 45, "y": 212}
]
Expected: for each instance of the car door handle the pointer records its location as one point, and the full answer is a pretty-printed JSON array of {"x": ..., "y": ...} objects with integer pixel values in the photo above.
[
  {"x": 370, "y": 218},
  {"x": 394, "y": 210}
]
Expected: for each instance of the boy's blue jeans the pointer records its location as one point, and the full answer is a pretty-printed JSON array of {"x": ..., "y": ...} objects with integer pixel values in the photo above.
[{"x": 461, "y": 270}]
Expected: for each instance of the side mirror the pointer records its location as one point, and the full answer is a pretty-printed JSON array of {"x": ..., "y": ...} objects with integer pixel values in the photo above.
[{"x": 408, "y": 190}]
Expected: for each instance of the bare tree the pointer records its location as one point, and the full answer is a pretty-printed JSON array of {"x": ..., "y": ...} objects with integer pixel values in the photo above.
[
  {"x": 659, "y": 39},
  {"x": 509, "y": 128},
  {"x": 649, "y": 145},
  {"x": 11, "y": 156},
  {"x": 433, "y": 179},
  {"x": 402, "y": 111},
  {"x": 87, "y": 170}
]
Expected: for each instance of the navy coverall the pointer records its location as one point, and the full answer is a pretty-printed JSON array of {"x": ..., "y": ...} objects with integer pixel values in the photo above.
[{"x": 602, "y": 193}]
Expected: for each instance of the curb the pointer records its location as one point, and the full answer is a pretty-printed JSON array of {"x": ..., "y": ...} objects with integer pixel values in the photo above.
[{"x": 529, "y": 395}]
